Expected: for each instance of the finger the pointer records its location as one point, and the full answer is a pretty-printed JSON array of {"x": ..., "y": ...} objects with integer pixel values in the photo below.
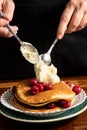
[
  {"x": 64, "y": 21},
  {"x": 4, "y": 32},
  {"x": 75, "y": 20},
  {"x": 3, "y": 22},
  {"x": 1, "y": 1},
  {"x": 83, "y": 22},
  {"x": 8, "y": 9}
]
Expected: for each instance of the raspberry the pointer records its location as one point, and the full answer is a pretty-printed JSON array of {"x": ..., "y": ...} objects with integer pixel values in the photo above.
[{"x": 77, "y": 89}]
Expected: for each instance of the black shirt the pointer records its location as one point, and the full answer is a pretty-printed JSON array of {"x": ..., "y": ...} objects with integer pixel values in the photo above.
[{"x": 38, "y": 22}]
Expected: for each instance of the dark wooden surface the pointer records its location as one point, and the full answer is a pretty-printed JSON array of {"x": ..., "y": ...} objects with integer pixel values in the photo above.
[{"x": 76, "y": 123}]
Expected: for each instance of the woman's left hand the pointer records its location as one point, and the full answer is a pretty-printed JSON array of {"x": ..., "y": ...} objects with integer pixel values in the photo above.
[{"x": 74, "y": 17}]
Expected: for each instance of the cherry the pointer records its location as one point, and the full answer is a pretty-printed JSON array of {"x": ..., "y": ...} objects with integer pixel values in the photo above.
[
  {"x": 51, "y": 105},
  {"x": 43, "y": 83},
  {"x": 77, "y": 89},
  {"x": 37, "y": 87},
  {"x": 41, "y": 87},
  {"x": 69, "y": 84},
  {"x": 48, "y": 86},
  {"x": 33, "y": 82},
  {"x": 64, "y": 103},
  {"x": 34, "y": 90}
]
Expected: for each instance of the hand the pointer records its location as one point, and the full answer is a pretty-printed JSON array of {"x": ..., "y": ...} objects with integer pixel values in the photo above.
[
  {"x": 7, "y": 7},
  {"x": 74, "y": 17}
]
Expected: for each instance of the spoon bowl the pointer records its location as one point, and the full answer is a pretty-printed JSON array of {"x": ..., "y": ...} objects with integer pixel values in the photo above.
[
  {"x": 29, "y": 52},
  {"x": 27, "y": 49},
  {"x": 46, "y": 57}
]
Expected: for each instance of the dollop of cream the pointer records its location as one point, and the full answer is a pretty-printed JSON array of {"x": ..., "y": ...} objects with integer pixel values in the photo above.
[
  {"x": 29, "y": 52},
  {"x": 46, "y": 73}
]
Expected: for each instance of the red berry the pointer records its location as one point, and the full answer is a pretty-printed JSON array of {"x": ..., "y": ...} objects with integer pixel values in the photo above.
[
  {"x": 34, "y": 90},
  {"x": 69, "y": 84},
  {"x": 64, "y": 103},
  {"x": 43, "y": 83},
  {"x": 48, "y": 86},
  {"x": 33, "y": 82},
  {"x": 41, "y": 87},
  {"x": 77, "y": 89},
  {"x": 51, "y": 105}
]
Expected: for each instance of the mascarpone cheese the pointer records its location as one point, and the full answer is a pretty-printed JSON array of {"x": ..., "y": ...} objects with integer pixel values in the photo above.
[{"x": 46, "y": 73}]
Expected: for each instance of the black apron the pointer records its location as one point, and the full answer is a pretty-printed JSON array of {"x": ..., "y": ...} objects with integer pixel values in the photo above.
[{"x": 38, "y": 22}]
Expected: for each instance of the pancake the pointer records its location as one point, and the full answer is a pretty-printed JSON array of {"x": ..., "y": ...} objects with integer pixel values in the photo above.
[
  {"x": 28, "y": 108},
  {"x": 59, "y": 91}
]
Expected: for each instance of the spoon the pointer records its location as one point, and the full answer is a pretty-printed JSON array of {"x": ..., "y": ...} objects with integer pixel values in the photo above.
[
  {"x": 46, "y": 57},
  {"x": 27, "y": 49}
]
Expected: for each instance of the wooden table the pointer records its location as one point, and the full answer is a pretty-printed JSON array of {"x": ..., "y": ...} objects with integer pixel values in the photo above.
[{"x": 78, "y": 122}]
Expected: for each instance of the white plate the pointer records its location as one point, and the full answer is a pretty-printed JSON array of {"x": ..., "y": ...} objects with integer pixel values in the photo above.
[
  {"x": 15, "y": 115},
  {"x": 7, "y": 101}
]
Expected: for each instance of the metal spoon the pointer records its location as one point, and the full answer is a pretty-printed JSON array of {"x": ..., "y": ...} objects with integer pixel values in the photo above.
[
  {"x": 46, "y": 57},
  {"x": 27, "y": 49}
]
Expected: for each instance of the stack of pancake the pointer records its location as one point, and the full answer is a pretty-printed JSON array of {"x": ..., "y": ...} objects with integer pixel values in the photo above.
[{"x": 24, "y": 100}]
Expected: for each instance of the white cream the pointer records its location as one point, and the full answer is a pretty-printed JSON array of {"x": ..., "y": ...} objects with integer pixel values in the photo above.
[
  {"x": 30, "y": 53},
  {"x": 45, "y": 73}
]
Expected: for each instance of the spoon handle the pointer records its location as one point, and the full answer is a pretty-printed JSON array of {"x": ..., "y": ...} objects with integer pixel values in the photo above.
[
  {"x": 53, "y": 44},
  {"x": 14, "y": 34},
  {"x": 10, "y": 30}
]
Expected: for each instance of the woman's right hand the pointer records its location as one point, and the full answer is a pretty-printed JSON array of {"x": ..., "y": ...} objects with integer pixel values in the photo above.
[
  {"x": 74, "y": 17},
  {"x": 7, "y": 7}
]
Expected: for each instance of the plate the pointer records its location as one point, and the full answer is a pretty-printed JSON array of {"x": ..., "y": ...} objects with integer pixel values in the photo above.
[
  {"x": 7, "y": 101},
  {"x": 15, "y": 115}
]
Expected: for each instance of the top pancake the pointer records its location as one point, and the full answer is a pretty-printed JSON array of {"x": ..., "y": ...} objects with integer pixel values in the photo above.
[{"x": 59, "y": 91}]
